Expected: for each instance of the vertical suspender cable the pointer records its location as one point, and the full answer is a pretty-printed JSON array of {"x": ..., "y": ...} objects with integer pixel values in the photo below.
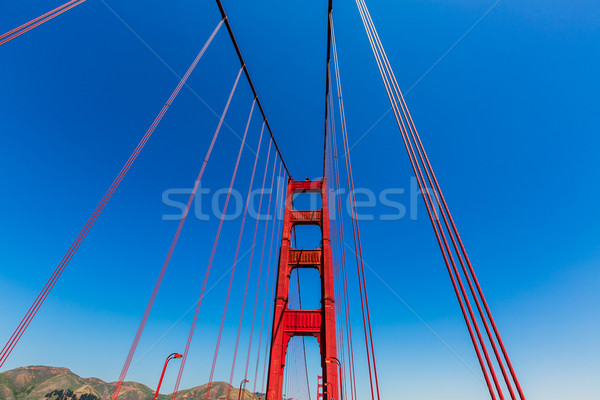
[
  {"x": 403, "y": 116},
  {"x": 9, "y": 346},
  {"x": 344, "y": 303},
  {"x": 430, "y": 207},
  {"x": 185, "y": 213},
  {"x": 281, "y": 189},
  {"x": 451, "y": 226},
  {"x": 356, "y": 233},
  {"x": 327, "y": 59},
  {"x": 237, "y": 163},
  {"x": 340, "y": 229},
  {"x": 237, "y": 339},
  {"x": 25, "y": 25},
  {"x": 14, "y": 33},
  {"x": 437, "y": 194},
  {"x": 253, "y": 246},
  {"x": 267, "y": 286},
  {"x": 340, "y": 224}
]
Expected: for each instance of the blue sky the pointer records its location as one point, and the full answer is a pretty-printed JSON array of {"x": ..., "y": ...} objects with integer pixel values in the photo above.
[{"x": 509, "y": 118}]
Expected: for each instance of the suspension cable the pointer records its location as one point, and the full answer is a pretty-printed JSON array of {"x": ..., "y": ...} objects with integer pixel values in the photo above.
[
  {"x": 20, "y": 330},
  {"x": 327, "y": 60},
  {"x": 268, "y": 284},
  {"x": 356, "y": 234},
  {"x": 428, "y": 172},
  {"x": 26, "y": 27},
  {"x": 263, "y": 247},
  {"x": 239, "y": 54},
  {"x": 339, "y": 261},
  {"x": 281, "y": 205},
  {"x": 237, "y": 339},
  {"x": 342, "y": 247},
  {"x": 172, "y": 247},
  {"x": 251, "y": 256},
  {"x": 451, "y": 226},
  {"x": 420, "y": 160},
  {"x": 432, "y": 211},
  {"x": 219, "y": 336}
]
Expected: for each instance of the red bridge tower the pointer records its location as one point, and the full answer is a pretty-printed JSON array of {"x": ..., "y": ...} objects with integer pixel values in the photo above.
[{"x": 318, "y": 323}]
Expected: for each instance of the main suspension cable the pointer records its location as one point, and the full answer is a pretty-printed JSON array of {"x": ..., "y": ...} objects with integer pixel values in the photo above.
[{"x": 239, "y": 54}]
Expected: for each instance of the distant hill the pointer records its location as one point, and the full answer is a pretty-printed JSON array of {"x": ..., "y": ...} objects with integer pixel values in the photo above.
[{"x": 54, "y": 383}]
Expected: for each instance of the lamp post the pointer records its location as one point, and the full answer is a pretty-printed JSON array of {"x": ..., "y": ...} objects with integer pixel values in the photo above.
[
  {"x": 242, "y": 383},
  {"x": 335, "y": 360},
  {"x": 326, "y": 391},
  {"x": 171, "y": 356}
]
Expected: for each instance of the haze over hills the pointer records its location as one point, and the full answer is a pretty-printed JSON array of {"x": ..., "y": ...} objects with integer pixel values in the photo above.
[{"x": 55, "y": 383}]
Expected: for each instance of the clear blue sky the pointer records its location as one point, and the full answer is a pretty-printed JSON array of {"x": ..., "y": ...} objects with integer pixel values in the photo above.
[{"x": 510, "y": 118}]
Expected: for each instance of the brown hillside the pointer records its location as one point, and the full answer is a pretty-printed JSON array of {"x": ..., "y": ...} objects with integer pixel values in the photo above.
[{"x": 54, "y": 383}]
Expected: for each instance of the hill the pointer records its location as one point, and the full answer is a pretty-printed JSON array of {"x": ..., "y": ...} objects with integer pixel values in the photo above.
[{"x": 54, "y": 383}]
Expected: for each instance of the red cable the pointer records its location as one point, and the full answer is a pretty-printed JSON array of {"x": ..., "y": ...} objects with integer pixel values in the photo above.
[
  {"x": 451, "y": 227},
  {"x": 335, "y": 174},
  {"x": 342, "y": 306},
  {"x": 36, "y": 19},
  {"x": 353, "y": 217},
  {"x": 427, "y": 164},
  {"x": 237, "y": 163},
  {"x": 271, "y": 316},
  {"x": 267, "y": 286},
  {"x": 340, "y": 225},
  {"x": 429, "y": 173},
  {"x": 336, "y": 262},
  {"x": 170, "y": 252},
  {"x": 266, "y": 224},
  {"x": 428, "y": 199},
  {"x": 82, "y": 234},
  {"x": 343, "y": 260},
  {"x": 260, "y": 266},
  {"x": 237, "y": 339},
  {"x": 199, "y": 302},
  {"x": 30, "y": 27},
  {"x": 253, "y": 246},
  {"x": 354, "y": 231},
  {"x": 437, "y": 194}
]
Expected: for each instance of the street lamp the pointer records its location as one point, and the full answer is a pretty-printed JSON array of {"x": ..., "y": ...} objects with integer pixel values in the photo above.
[
  {"x": 326, "y": 391},
  {"x": 335, "y": 360},
  {"x": 171, "y": 356},
  {"x": 242, "y": 383}
]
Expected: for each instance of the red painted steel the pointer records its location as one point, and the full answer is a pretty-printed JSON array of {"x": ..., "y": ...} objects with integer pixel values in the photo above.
[
  {"x": 319, "y": 387},
  {"x": 162, "y": 375},
  {"x": 319, "y": 323}
]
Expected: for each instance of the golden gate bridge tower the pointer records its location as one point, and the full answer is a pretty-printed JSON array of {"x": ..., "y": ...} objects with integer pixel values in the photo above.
[{"x": 287, "y": 322}]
